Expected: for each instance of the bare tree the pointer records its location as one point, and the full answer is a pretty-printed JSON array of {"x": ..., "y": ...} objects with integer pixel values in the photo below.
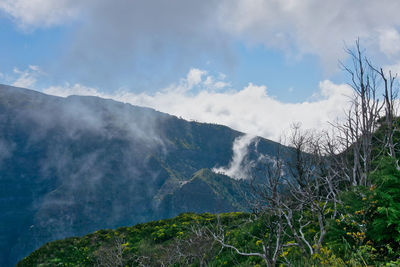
[
  {"x": 390, "y": 94},
  {"x": 199, "y": 247},
  {"x": 302, "y": 188},
  {"x": 312, "y": 187},
  {"x": 300, "y": 191},
  {"x": 357, "y": 132},
  {"x": 112, "y": 255},
  {"x": 266, "y": 203},
  {"x": 219, "y": 234}
]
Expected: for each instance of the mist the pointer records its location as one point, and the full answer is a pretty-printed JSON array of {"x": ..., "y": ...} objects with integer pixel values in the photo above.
[
  {"x": 65, "y": 160},
  {"x": 238, "y": 168},
  {"x": 73, "y": 165}
]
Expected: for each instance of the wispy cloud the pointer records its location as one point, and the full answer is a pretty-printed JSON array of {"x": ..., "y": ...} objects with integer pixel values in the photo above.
[
  {"x": 26, "y": 78},
  {"x": 194, "y": 27},
  {"x": 235, "y": 169},
  {"x": 31, "y": 14},
  {"x": 313, "y": 27}
]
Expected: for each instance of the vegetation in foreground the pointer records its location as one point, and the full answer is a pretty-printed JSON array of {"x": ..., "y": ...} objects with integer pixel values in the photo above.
[
  {"x": 334, "y": 202},
  {"x": 366, "y": 234},
  {"x": 183, "y": 240}
]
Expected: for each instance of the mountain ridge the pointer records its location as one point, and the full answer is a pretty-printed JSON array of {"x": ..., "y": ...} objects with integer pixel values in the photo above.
[{"x": 70, "y": 166}]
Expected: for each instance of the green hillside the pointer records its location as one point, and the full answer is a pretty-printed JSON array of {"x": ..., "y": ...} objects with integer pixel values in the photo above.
[
  {"x": 79, "y": 169},
  {"x": 70, "y": 166},
  {"x": 152, "y": 244},
  {"x": 367, "y": 235}
]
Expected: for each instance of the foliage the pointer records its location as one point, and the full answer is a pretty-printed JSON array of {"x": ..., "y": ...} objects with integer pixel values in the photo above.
[
  {"x": 369, "y": 228},
  {"x": 175, "y": 242},
  {"x": 151, "y": 244},
  {"x": 364, "y": 232},
  {"x": 324, "y": 218},
  {"x": 385, "y": 226}
]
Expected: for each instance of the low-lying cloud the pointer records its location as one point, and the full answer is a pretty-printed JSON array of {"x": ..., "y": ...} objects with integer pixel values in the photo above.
[
  {"x": 205, "y": 98},
  {"x": 237, "y": 169}
]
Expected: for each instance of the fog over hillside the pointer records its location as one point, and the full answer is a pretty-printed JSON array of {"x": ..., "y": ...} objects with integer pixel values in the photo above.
[{"x": 77, "y": 164}]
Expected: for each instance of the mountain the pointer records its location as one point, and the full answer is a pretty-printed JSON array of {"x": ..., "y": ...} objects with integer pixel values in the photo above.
[{"x": 70, "y": 166}]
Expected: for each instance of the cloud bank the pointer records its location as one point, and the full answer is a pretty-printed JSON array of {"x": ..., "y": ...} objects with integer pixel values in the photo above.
[{"x": 203, "y": 97}]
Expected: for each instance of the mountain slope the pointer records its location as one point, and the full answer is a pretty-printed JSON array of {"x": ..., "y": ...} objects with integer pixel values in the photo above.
[
  {"x": 69, "y": 166},
  {"x": 206, "y": 191},
  {"x": 171, "y": 242}
]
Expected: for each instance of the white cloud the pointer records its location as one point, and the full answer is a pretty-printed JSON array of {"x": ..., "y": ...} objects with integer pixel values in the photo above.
[
  {"x": 40, "y": 13},
  {"x": 311, "y": 26},
  {"x": 295, "y": 26},
  {"x": 389, "y": 42},
  {"x": 395, "y": 68},
  {"x": 240, "y": 148},
  {"x": 26, "y": 78},
  {"x": 194, "y": 77},
  {"x": 75, "y": 89},
  {"x": 249, "y": 109}
]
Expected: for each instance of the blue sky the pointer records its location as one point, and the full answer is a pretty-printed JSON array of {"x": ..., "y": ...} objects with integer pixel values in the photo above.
[
  {"x": 44, "y": 47},
  {"x": 281, "y": 55}
]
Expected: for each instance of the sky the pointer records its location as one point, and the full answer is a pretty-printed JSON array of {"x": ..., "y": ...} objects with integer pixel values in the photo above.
[{"x": 257, "y": 66}]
